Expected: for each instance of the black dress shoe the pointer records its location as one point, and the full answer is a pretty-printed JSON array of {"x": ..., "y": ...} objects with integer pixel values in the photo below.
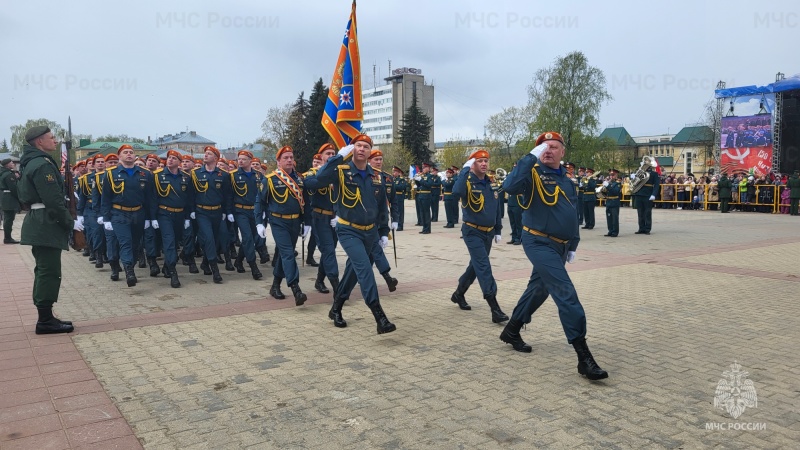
[
  {"x": 10, "y": 241},
  {"x": 517, "y": 242},
  {"x": 511, "y": 242},
  {"x": 53, "y": 326},
  {"x": 311, "y": 263},
  {"x": 639, "y": 232}
]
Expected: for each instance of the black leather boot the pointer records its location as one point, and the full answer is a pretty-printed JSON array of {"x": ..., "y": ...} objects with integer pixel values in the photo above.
[
  {"x": 459, "y": 299},
  {"x": 229, "y": 265},
  {"x": 254, "y": 270},
  {"x": 173, "y": 277},
  {"x": 130, "y": 276},
  {"x": 192, "y": 265},
  {"x": 274, "y": 257},
  {"x": 239, "y": 264},
  {"x": 142, "y": 260},
  {"x": 299, "y": 296},
  {"x": 98, "y": 259},
  {"x": 335, "y": 313},
  {"x": 510, "y": 335},
  {"x": 384, "y": 326},
  {"x": 154, "y": 269},
  {"x": 498, "y": 316},
  {"x": 166, "y": 271},
  {"x": 391, "y": 282},
  {"x": 85, "y": 253},
  {"x": 275, "y": 290},
  {"x": 319, "y": 285},
  {"x": 115, "y": 269},
  {"x": 206, "y": 268},
  {"x": 92, "y": 256},
  {"x": 215, "y": 272},
  {"x": 334, "y": 285},
  {"x": 48, "y": 324},
  {"x": 264, "y": 255},
  {"x": 586, "y": 364}
]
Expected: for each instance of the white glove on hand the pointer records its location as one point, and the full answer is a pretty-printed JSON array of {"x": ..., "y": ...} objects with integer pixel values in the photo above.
[
  {"x": 605, "y": 183},
  {"x": 80, "y": 220},
  {"x": 230, "y": 217},
  {"x": 192, "y": 216},
  {"x": 652, "y": 197},
  {"x": 262, "y": 230},
  {"x": 146, "y": 224},
  {"x": 346, "y": 150},
  {"x": 155, "y": 224},
  {"x": 186, "y": 224},
  {"x": 107, "y": 226},
  {"x": 383, "y": 242},
  {"x": 334, "y": 221},
  {"x": 497, "y": 238},
  {"x": 100, "y": 220},
  {"x": 570, "y": 257},
  {"x": 394, "y": 226},
  {"x": 633, "y": 176},
  {"x": 306, "y": 231},
  {"x": 539, "y": 149},
  {"x": 78, "y": 225},
  {"x": 469, "y": 163}
]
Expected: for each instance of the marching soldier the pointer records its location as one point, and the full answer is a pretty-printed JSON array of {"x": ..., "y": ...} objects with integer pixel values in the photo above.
[
  {"x": 86, "y": 214},
  {"x": 450, "y": 201},
  {"x": 283, "y": 199},
  {"x": 323, "y": 218},
  {"x": 152, "y": 237},
  {"x": 644, "y": 201},
  {"x": 189, "y": 234},
  {"x": 589, "y": 198},
  {"x": 375, "y": 161},
  {"x": 213, "y": 197},
  {"x": 316, "y": 162},
  {"x": 425, "y": 183},
  {"x": 579, "y": 185},
  {"x": 108, "y": 234},
  {"x": 401, "y": 190},
  {"x": 482, "y": 225},
  {"x": 613, "y": 191},
  {"x": 436, "y": 193},
  {"x": 174, "y": 195},
  {"x": 9, "y": 200},
  {"x": 363, "y": 222},
  {"x": 550, "y": 238},
  {"x": 247, "y": 185}
]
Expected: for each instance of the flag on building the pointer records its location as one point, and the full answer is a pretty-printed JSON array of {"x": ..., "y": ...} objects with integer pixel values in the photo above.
[{"x": 343, "y": 109}]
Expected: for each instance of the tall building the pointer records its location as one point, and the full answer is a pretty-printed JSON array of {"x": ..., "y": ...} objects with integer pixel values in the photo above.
[{"x": 384, "y": 106}]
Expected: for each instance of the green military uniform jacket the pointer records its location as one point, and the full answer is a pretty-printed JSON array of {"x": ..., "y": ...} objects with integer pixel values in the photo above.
[
  {"x": 8, "y": 190},
  {"x": 793, "y": 183},
  {"x": 724, "y": 186},
  {"x": 41, "y": 182},
  {"x": 613, "y": 192}
]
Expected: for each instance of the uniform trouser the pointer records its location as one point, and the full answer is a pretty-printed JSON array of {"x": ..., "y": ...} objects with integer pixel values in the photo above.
[
  {"x": 793, "y": 202},
  {"x": 451, "y": 209},
  {"x": 246, "y": 222},
  {"x": 515, "y": 219},
  {"x": 208, "y": 232},
  {"x": 98, "y": 235},
  {"x": 550, "y": 278},
  {"x": 91, "y": 228},
  {"x": 419, "y": 211},
  {"x": 312, "y": 243},
  {"x": 644, "y": 209},
  {"x": 170, "y": 224},
  {"x": 112, "y": 244},
  {"x": 401, "y": 212},
  {"x": 479, "y": 244},
  {"x": 152, "y": 242},
  {"x": 358, "y": 245},
  {"x": 612, "y": 220},
  {"x": 285, "y": 233},
  {"x": 435, "y": 207},
  {"x": 425, "y": 211},
  {"x": 723, "y": 204},
  {"x": 46, "y": 275},
  {"x": 129, "y": 228},
  {"x": 187, "y": 239},
  {"x": 588, "y": 214},
  {"x": 381, "y": 262},
  {"x": 580, "y": 210},
  {"x": 226, "y": 236},
  {"x": 326, "y": 241},
  {"x": 8, "y": 222}
]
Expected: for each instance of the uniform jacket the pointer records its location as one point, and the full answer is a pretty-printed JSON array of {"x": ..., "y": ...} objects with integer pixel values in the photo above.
[
  {"x": 174, "y": 191},
  {"x": 651, "y": 186},
  {"x": 479, "y": 200},
  {"x": 212, "y": 189},
  {"x": 794, "y": 184},
  {"x": 41, "y": 182},
  {"x": 128, "y": 188},
  {"x": 8, "y": 190},
  {"x": 613, "y": 193},
  {"x": 278, "y": 198}
]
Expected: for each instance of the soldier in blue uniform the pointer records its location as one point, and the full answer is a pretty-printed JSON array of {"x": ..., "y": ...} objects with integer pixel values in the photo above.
[
  {"x": 436, "y": 193},
  {"x": 323, "y": 223},
  {"x": 644, "y": 201},
  {"x": 152, "y": 236},
  {"x": 86, "y": 214},
  {"x": 579, "y": 185},
  {"x": 363, "y": 222},
  {"x": 401, "y": 189},
  {"x": 588, "y": 186},
  {"x": 425, "y": 183},
  {"x": 482, "y": 225},
  {"x": 247, "y": 185},
  {"x": 450, "y": 200},
  {"x": 175, "y": 198},
  {"x": 213, "y": 204},
  {"x": 283, "y": 199},
  {"x": 613, "y": 191},
  {"x": 128, "y": 206},
  {"x": 189, "y": 234},
  {"x": 109, "y": 244},
  {"x": 381, "y": 263},
  {"x": 550, "y": 237}
]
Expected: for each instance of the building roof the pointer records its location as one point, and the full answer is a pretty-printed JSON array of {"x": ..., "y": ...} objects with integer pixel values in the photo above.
[
  {"x": 108, "y": 146},
  {"x": 619, "y": 135},
  {"x": 187, "y": 137},
  {"x": 694, "y": 135}
]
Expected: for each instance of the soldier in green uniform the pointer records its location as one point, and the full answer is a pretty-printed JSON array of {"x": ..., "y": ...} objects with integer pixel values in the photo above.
[
  {"x": 47, "y": 226},
  {"x": 724, "y": 185},
  {"x": 794, "y": 195},
  {"x": 613, "y": 191},
  {"x": 9, "y": 202}
]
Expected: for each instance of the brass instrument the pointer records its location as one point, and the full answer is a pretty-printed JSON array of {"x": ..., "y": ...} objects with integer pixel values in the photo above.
[
  {"x": 500, "y": 175},
  {"x": 600, "y": 192},
  {"x": 640, "y": 178}
]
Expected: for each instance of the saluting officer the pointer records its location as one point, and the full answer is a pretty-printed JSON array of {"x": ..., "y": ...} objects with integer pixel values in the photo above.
[
  {"x": 363, "y": 222},
  {"x": 283, "y": 199},
  {"x": 323, "y": 223},
  {"x": 246, "y": 184},
  {"x": 550, "y": 237},
  {"x": 644, "y": 201},
  {"x": 482, "y": 225},
  {"x": 175, "y": 197},
  {"x": 589, "y": 198},
  {"x": 450, "y": 200},
  {"x": 613, "y": 191},
  {"x": 212, "y": 201},
  {"x": 401, "y": 190}
]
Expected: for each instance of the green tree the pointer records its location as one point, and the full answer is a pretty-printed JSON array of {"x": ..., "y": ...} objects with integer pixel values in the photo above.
[
  {"x": 118, "y": 138},
  {"x": 396, "y": 155},
  {"x": 415, "y": 131},
  {"x": 276, "y": 126},
  {"x": 316, "y": 106},
  {"x": 567, "y": 97},
  {"x": 297, "y": 135},
  {"x": 4, "y": 147},
  {"x": 454, "y": 153},
  {"x": 18, "y": 133}
]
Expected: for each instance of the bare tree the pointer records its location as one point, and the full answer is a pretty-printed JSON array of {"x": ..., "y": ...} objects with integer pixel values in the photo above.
[{"x": 276, "y": 125}]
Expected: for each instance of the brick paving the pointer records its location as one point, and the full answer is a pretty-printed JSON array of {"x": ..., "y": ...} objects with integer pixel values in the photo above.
[{"x": 226, "y": 366}]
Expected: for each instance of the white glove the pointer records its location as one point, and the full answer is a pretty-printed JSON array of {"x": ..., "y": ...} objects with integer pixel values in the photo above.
[
  {"x": 230, "y": 217},
  {"x": 539, "y": 149},
  {"x": 346, "y": 150},
  {"x": 186, "y": 224},
  {"x": 146, "y": 224},
  {"x": 633, "y": 176},
  {"x": 652, "y": 197},
  {"x": 334, "y": 221},
  {"x": 78, "y": 226},
  {"x": 394, "y": 226},
  {"x": 107, "y": 226},
  {"x": 469, "y": 163},
  {"x": 155, "y": 224},
  {"x": 80, "y": 220},
  {"x": 497, "y": 238},
  {"x": 262, "y": 230},
  {"x": 192, "y": 216},
  {"x": 76, "y": 195},
  {"x": 605, "y": 183},
  {"x": 383, "y": 242},
  {"x": 306, "y": 230},
  {"x": 570, "y": 257},
  {"x": 100, "y": 220}
]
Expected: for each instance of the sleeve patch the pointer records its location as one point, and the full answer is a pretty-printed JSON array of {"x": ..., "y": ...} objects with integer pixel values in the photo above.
[{"x": 50, "y": 178}]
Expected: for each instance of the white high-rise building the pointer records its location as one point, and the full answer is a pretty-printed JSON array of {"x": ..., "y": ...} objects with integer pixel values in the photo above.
[{"x": 377, "y": 121}]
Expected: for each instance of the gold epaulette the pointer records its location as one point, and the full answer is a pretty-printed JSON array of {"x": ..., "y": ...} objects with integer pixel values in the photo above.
[
  {"x": 344, "y": 166},
  {"x": 270, "y": 175},
  {"x": 160, "y": 169},
  {"x": 311, "y": 171}
]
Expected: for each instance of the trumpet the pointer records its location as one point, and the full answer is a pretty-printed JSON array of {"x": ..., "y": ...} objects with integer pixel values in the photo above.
[{"x": 500, "y": 174}]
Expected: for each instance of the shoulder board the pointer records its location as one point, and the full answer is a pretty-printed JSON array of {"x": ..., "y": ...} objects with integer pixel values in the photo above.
[
  {"x": 344, "y": 166},
  {"x": 160, "y": 169},
  {"x": 223, "y": 171},
  {"x": 195, "y": 168},
  {"x": 86, "y": 175},
  {"x": 270, "y": 175},
  {"x": 185, "y": 172},
  {"x": 145, "y": 169}
]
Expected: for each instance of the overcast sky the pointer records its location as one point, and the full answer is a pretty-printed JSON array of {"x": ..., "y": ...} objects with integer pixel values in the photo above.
[{"x": 149, "y": 68}]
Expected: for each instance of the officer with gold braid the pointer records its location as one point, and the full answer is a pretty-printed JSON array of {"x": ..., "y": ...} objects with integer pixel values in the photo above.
[
  {"x": 550, "y": 238},
  {"x": 482, "y": 225},
  {"x": 247, "y": 185},
  {"x": 86, "y": 214},
  {"x": 363, "y": 222},
  {"x": 323, "y": 223},
  {"x": 175, "y": 197},
  {"x": 212, "y": 205},
  {"x": 109, "y": 243}
]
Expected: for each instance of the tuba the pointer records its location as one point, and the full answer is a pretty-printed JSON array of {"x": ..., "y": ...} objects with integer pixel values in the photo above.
[
  {"x": 500, "y": 175},
  {"x": 640, "y": 177}
]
